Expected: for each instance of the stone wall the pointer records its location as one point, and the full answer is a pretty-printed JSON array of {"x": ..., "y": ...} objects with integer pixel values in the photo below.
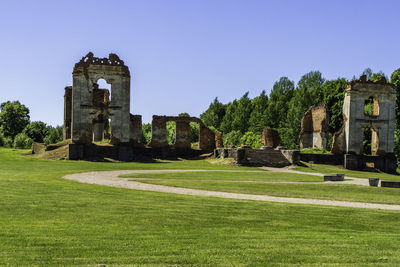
[
  {"x": 259, "y": 157},
  {"x": 67, "y": 112},
  {"x": 136, "y": 134},
  {"x": 270, "y": 137},
  {"x": 314, "y": 128},
  {"x": 182, "y": 134},
  {"x": 219, "y": 141}
]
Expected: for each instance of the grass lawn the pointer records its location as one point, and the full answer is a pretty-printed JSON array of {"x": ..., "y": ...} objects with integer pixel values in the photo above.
[
  {"x": 45, "y": 220},
  {"x": 257, "y": 176},
  {"x": 332, "y": 169}
]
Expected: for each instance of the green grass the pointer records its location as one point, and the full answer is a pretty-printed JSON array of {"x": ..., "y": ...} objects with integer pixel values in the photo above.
[
  {"x": 260, "y": 176},
  {"x": 48, "y": 221},
  {"x": 355, "y": 193},
  {"x": 332, "y": 169}
]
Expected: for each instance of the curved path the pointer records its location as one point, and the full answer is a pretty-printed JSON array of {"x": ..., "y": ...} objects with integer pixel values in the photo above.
[{"x": 111, "y": 178}]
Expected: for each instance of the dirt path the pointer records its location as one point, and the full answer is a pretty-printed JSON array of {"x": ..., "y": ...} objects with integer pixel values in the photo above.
[{"x": 111, "y": 178}]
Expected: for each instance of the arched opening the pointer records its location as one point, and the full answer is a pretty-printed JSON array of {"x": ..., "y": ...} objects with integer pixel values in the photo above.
[
  {"x": 367, "y": 136},
  {"x": 194, "y": 134},
  {"x": 371, "y": 107},
  {"x": 101, "y": 101},
  {"x": 171, "y": 132}
]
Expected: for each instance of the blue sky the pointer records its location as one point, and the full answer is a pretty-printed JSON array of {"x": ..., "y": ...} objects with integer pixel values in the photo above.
[{"x": 183, "y": 54}]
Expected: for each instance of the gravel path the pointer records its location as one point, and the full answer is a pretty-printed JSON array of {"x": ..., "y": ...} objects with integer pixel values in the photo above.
[{"x": 111, "y": 178}]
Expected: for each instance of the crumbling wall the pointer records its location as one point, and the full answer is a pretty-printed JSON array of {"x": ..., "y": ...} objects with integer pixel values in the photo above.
[
  {"x": 219, "y": 141},
  {"x": 136, "y": 134},
  {"x": 67, "y": 112},
  {"x": 207, "y": 138},
  {"x": 158, "y": 132},
  {"x": 270, "y": 137},
  {"x": 314, "y": 128},
  {"x": 339, "y": 139},
  {"x": 182, "y": 134}
]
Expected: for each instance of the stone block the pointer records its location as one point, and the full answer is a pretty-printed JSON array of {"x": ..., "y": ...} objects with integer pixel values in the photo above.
[{"x": 392, "y": 184}]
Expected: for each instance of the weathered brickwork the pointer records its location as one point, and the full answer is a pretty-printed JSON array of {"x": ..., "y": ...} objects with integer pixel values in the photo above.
[
  {"x": 270, "y": 137},
  {"x": 182, "y": 134},
  {"x": 314, "y": 128}
]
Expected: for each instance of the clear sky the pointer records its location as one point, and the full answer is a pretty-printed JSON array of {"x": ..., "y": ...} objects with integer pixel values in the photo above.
[{"x": 183, "y": 54}]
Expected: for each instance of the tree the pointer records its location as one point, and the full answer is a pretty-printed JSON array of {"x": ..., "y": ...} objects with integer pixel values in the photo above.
[
  {"x": 308, "y": 93},
  {"x": 37, "y": 131},
  {"x": 377, "y": 76},
  {"x": 214, "y": 115},
  {"x": 281, "y": 94},
  {"x": 14, "y": 117},
  {"x": 226, "y": 124},
  {"x": 334, "y": 92},
  {"x": 54, "y": 135},
  {"x": 232, "y": 138},
  {"x": 241, "y": 115},
  {"x": 258, "y": 117},
  {"x": 395, "y": 80},
  {"x": 171, "y": 127}
]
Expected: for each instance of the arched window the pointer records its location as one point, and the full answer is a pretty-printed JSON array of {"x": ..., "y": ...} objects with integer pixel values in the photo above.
[{"x": 371, "y": 107}]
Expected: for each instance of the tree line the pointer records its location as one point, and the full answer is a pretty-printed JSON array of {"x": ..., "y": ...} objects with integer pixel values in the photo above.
[
  {"x": 242, "y": 120},
  {"x": 17, "y": 131}
]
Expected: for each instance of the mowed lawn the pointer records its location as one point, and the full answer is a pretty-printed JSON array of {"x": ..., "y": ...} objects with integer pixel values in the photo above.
[
  {"x": 273, "y": 184},
  {"x": 45, "y": 220}
]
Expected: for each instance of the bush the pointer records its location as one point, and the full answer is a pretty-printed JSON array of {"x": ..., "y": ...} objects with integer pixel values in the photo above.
[
  {"x": 2, "y": 139},
  {"x": 8, "y": 141},
  {"x": 232, "y": 138},
  {"x": 251, "y": 139},
  {"x": 21, "y": 140},
  {"x": 146, "y": 131},
  {"x": 54, "y": 135}
]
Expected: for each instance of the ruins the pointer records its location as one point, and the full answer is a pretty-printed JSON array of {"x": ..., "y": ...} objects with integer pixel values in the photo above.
[
  {"x": 270, "y": 137},
  {"x": 368, "y": 106},
  {"x": 368, "y": 120},
  {"x": 314, "y": 128},
  {"x": 92, "y": 114}
]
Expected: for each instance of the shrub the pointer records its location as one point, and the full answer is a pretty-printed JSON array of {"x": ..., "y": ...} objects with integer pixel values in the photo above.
[
  {"x": 251, "y": 139},
  {"x": 232, "y": 138},
  {"x": 54, "y": 135},
  {"x": 1, "y": 140},
  {"x": 8, "y": 141},
  {"x": 21, "y": 140}
]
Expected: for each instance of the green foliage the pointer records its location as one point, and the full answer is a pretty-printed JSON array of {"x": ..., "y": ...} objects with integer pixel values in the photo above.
[
  {"x": 8, "y": 141},
  {"x": 183, "y": 114},
  {"x": 171, "y": 127},
  {"x": 146, "y": 130},
  {"x": 214, "y": 114},
  {"x": 369, "y": 109},
  {"x": 258, "y": 117},
  {"x": 23, "y": 141},
  {"x": 281, "y": 94},
  {"x": 288, "y": 139},
  {"x": 377, "y": 76},
  {"x": 251, "y": 139},
  {"x": 226, "y": 124},
  {"x": 194, "y": 132},
  {"x": 395, "y": 80},
  {"x": 309, "y": 92},
  {"x": 14, "y": 117},
  {"x": 37, "y": 131},
  {"x": 2, "y": 140},
  {"x": 232, "y": 138},
  {"x": 334, "y": 91},
  {"x": 54, "y": 135}
]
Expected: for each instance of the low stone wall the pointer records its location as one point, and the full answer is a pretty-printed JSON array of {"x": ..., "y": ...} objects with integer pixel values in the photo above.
[
  {"x": 331, "y": 159},
  {"x": 259, "y": 157}
]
